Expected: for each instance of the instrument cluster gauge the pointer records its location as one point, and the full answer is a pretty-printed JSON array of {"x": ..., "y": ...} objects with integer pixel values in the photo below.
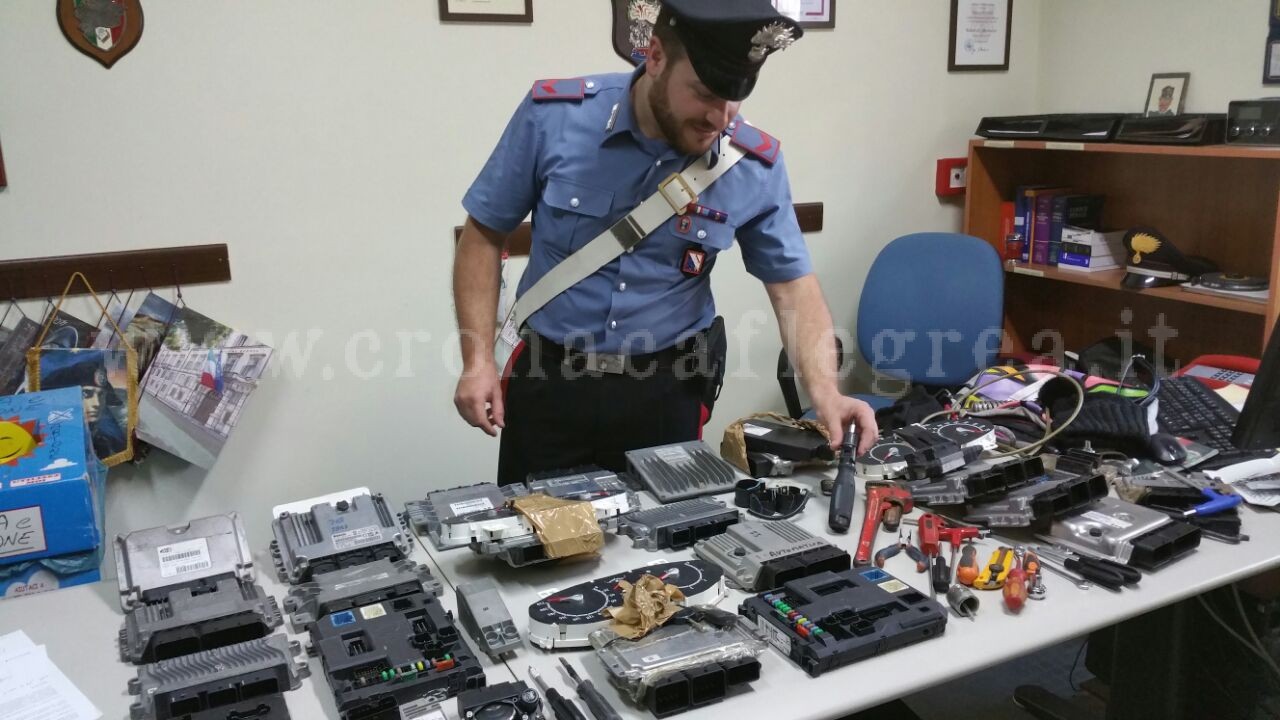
[
  {"x": 966, "y": 432},
  {"x": 887, "y": 458},
  {"x": 566, "y": 617}
]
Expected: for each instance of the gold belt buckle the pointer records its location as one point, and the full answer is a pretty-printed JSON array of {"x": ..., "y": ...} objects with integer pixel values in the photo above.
[{"x": 676, "y": 205}]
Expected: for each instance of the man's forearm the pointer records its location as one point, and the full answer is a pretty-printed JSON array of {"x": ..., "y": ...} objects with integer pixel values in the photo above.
[
  {"x": 477, "y": 269},
  {"x": 805, "y": 324}
]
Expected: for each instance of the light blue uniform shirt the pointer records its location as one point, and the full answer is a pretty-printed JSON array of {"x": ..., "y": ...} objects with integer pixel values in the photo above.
[{"x": 562, "y": 161}]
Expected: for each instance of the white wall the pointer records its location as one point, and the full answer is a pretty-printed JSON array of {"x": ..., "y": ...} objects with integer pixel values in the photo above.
[
  {"x": 329, "y": 143},
  {"x": 1099, "y": 56}
]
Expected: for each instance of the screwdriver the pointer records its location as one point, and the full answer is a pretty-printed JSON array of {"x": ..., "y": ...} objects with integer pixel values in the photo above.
[
  {"x": 561, "y": 706},
  {"x": 1015, "y": 585},
  {"x": 967, "y": 566},
  {"x": 591, "y": 697}
]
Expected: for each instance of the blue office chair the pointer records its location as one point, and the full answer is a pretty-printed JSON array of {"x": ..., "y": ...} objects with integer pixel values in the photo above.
[{"x": 931, "y": 313}]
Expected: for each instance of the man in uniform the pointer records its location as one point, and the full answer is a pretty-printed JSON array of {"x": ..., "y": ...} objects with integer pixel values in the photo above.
[{"x": 604, "y": 364}]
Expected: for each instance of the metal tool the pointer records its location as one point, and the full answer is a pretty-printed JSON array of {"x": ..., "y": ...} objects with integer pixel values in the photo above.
[
  {"x": 561, "y": 706},
  {"x": 840, "y": 514},
  {"x": 963, "y": 601},
  {"x": 591, "y": 697},
  {"x": 1077, "y": 580},
  {"x": 1108, "y": 574},
  {"x": 912, "y": 552},
  {"x": 886, "y": 502}
]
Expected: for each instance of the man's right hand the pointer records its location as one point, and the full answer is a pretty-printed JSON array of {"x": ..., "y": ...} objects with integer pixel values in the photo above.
[{"x": 479, "y": 398}]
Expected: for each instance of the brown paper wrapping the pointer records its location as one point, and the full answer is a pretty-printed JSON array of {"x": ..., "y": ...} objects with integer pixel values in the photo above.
[
  {"x": 565, "y": 527},
  {"x": 733, "y": 447},
  {"x": 648, "y": 604}
]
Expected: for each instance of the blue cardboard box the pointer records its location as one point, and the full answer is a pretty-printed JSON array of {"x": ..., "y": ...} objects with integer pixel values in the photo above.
[{"x": 51, "y": 494}]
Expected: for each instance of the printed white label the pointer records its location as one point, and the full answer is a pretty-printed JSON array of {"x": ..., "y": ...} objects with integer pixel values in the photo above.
[
  {"x": 1107, "y": 520},
  {"x": 755, "y": 430},
  {"x": 36, "y": 480},
  {"x": 21, "y": 531},
  {"x": 893, "y": 586},
  {"x": 421, "y": 709},
  {"x": 672, "y": 455},
  {"x": 998, "y": 143},
  {"x": 774, "y": 635},
  {"x": 184, "y": 557},
  {"x": 355, "y": 538},
  {"x": 369, "y": 612},
  {"x": 1063, "y": 146},
  {"x": 650, "y": 658},
  {"x": 466, "y": 507}
]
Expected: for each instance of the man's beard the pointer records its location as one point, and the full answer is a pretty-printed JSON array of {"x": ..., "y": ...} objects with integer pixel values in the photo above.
[{"x": 667, "y": 122}]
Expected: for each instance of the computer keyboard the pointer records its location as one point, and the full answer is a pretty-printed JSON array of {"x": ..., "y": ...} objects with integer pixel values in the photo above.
[{"x": 1191, "y": 410}]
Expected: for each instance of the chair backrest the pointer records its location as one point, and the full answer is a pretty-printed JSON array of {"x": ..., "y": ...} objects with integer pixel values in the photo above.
[{"x": 932, "y": 308}]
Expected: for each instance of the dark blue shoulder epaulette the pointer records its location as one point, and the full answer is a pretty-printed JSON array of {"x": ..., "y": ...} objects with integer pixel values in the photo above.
[{"x": 756, "y": 142}]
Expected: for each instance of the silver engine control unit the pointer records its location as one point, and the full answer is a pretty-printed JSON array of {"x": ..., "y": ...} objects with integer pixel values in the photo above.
[
  {"x": 336, "y": 535},
  {"x": 757, "y": 555}
]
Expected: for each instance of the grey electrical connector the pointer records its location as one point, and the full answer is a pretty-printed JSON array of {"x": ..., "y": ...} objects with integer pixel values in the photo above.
[
  {"x": 486, "y": 618},
  {"x": 184, "y": 621},
  {"x": 361, "y": 585},
  {"x": 335, "y": 536},
  {"x": 203, "y": 681}
]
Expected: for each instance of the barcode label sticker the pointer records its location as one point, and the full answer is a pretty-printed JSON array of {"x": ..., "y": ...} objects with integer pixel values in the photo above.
[
  {"x": 1064, "y": 146},
  {"x": 672, "y": 455},
  {"x": 774, "y": 635},
  {"x": 421, "y": 709},
  {"x": 466, "y": 507},
  {"x": 755, "y": 430},
  {"x": 184, "y": 557},
  {"x": 998, "y": 143},
  {"x": 355, "y": 538},
  {"x": 1107, "y": 520}
]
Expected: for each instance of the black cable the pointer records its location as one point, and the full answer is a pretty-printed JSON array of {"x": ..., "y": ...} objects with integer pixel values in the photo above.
[{"x": 1071, "y": 674}]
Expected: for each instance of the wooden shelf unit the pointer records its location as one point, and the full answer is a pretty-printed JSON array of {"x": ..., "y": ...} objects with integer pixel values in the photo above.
[{"x": 1222, "y": 202}]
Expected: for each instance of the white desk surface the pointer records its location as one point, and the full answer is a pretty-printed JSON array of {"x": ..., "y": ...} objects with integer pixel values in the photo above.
[{"x": 79, "y": 625}]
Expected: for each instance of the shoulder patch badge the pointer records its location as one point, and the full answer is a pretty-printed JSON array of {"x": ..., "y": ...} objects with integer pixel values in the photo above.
[
  {"x": 570, "y": 89},
  {"x": 756, "y": 142}
]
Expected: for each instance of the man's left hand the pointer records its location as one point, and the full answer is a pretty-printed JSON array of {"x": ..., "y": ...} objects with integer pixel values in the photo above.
[{"x": 837, "y": 412}]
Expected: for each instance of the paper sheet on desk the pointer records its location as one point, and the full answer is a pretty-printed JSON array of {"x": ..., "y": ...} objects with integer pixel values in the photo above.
[
  {"x": 1234, "y": 394},
  {"x": 33, "y": 688}
]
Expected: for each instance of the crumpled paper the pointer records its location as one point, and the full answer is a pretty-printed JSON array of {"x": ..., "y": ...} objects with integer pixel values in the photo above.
[
  {"x": 733, "y": 447},
  {"x": 646, "y": 605},
  {"x": 565, "y": 527}
]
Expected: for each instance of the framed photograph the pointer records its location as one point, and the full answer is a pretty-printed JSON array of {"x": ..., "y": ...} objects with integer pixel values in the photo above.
[
  {"x": 1275, "y": 13},
  {"x": 1167, "y": 94},
  {"x": 1270, "y": 73},
  {"x": 811, "y": 14},
  {"x": 3, "y": 182},
  {"x": 981, "y": 35},
  {"x": 510, "y": 11}
]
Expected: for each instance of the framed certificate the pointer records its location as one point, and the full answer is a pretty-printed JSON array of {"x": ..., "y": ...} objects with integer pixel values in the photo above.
[
  {"x": 820, "y": 14},
  {"x": 981, "y": 31},
  {"x": 1270, "y": 66},
  {"x": 512, "y": 11}
]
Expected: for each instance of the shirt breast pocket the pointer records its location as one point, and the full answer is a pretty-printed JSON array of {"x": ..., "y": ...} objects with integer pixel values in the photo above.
[{"x": 576, "y": 211}]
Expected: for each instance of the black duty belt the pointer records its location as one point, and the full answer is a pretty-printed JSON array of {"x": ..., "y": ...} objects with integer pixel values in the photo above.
[{"x": 683, "y": 354}]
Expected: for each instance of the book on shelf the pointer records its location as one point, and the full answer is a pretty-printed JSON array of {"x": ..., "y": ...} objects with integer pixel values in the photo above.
[
  {"x": 1024, "y": 214},
  {"x": 1041, "y": 202},
  {"x": 1072, "y": 210}
]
